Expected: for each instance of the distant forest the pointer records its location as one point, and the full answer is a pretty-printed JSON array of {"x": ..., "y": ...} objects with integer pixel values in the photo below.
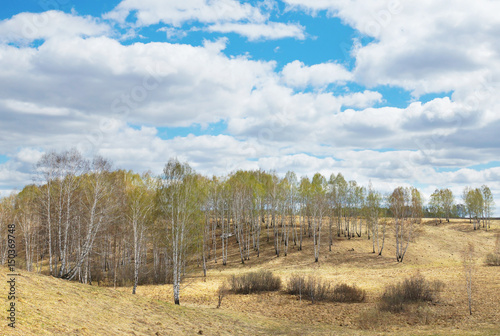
[{"x": 82, "y": 220}]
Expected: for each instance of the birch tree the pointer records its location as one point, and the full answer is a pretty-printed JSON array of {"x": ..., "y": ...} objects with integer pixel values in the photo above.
[
  {"x": 98, "y": 208},
  {"x": 179, "y": 203},
  {"x": 7, "y": 205},
  {"x": 28, "y": 219},
  {"x": 140, "y": 206},
  {"x": 72, "y": 166},
  {"x": 488, "y": 205},
  {"x": 319, "y": 206},
  {"x": 469, "y": 266},
  {"x": 373, "y": 204},
  {"x": 447, "y": 201},
  {"x": 46, "y": 169},
  {"x": 305, "y": 200},
  {"x": 406, "y": 207}
]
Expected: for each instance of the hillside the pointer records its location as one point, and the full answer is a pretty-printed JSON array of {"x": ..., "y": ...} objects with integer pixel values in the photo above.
[{"x": 49, "y": 306}]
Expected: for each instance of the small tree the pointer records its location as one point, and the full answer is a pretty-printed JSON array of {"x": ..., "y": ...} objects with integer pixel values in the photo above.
[
  {"x": 435, "y": 205},
  {"x": 373, "y": 203},
  {"x": 179, "y": 199},
  {"x": 222, "y": 291},
  {"x": 469, "y": 267},
  {"x": 488, "y": 206},
  {"x": 474, "y": 202},
  {"x": 406, "y": 207}
]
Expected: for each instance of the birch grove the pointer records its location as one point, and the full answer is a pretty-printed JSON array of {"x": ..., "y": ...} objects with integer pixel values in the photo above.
[{"x": 82, "y": 220}]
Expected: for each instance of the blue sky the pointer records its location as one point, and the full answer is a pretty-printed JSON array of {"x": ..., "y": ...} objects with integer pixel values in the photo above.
[{"x": 383, "y": 91}]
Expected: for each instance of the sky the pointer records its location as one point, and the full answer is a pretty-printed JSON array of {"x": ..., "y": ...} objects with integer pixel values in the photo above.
[{"x": 395, "y": 93}]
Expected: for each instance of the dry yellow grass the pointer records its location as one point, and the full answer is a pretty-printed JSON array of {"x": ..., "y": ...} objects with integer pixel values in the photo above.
[{"x": 49, "y": 306}]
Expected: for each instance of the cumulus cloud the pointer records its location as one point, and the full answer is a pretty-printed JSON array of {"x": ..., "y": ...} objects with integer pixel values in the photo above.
[
  {"x": 221, "y": 16},
  {"x": 27, "y": 27},
  {"x": 149, "y": 12},
  {"x": 257, "y": 31},
  {"x": 415, "y": 46},
  {"x": 83, "y": 88},
  {"x": 297, "y": 74}
]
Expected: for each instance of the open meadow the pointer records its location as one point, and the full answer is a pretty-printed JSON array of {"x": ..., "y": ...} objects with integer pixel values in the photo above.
[{"x": 49, "y": 306}]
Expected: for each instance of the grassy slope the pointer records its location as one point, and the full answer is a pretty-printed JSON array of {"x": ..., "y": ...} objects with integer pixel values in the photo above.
[{"x": 49, "y": 306}]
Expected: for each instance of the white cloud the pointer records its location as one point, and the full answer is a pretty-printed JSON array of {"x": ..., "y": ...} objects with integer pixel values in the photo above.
[
  {"x": 172, "y": 12},
  {"x": 80, "y": 88},
  {"x": 82, "y": 81},
  {"x": 31, "y": 108},
  {"x": 29, "y": 155},
  {"x": 417, "y": 46},
  {"x": 26, "y": 27},
  {"x": 173, "y": 33},
  {"x": 256, "y": 31},
  {"x": 222, "y": 16},
  {"x": 298, "y": 75}
]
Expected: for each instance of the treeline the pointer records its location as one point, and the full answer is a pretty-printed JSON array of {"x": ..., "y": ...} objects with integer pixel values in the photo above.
[
  {"x": 84, "y": 221},
  {"x": 478, "y": 204}
]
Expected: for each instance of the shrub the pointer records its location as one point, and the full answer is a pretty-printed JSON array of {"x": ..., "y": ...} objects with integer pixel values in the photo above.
[
  {"x": 373, "y": 319},
  {"x": 296, "y": 285},
  {"x": 411, "y": 290},
  {"x": 222, "y": 291},
  {"x": 316, "y": 289},
  {"x": 493, "y": 259},
  {"x": 425, "y": 315},
  {"x": 347, "y": 293},
  {"x": 254, "y": 282}
]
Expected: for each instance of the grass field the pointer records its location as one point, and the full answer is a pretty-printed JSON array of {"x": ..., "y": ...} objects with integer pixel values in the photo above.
[{"x": 49, "y": 306}]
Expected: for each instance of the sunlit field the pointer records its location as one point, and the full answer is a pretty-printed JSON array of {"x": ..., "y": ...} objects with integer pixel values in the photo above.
[{"x": 51, "y": 306}]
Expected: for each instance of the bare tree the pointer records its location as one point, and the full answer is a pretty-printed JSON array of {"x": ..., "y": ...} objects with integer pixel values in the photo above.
[
  {"x": 319, "y": 207},
  {"x": 222, "y": 291},
  {"x": 469, "y": 262},
  {"x": 373, "y": 204},
  {"x": 72, "y": 165},
  {"x": 98, "y": 207},
  {"x": 140, "y": 201},
  {"x": 406, "y": 207},
  {"x": 46, "y": 169},
  {"x": 305, "y": 201},
  {"x": 7, "y": 205},
  {"x": 291, "y": 192},
  {"x": 28, "y": 219}
]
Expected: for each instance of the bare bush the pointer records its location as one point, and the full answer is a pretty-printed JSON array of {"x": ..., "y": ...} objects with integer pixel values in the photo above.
[
  {"x": 316, "y": 289},
  {"x": 254, "y": 282},
  {"x": 222, "y": 291},
  {"x": 425, "y": 315},
  {"x": 296, "y": 285},
  {"x": 492, "y": 259},
  {"x": 373, "y": 319},
  {"x": 348, "y": 293},
  {"x": 312, "y": 287},
  {"x": 416, "y": 289}
]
